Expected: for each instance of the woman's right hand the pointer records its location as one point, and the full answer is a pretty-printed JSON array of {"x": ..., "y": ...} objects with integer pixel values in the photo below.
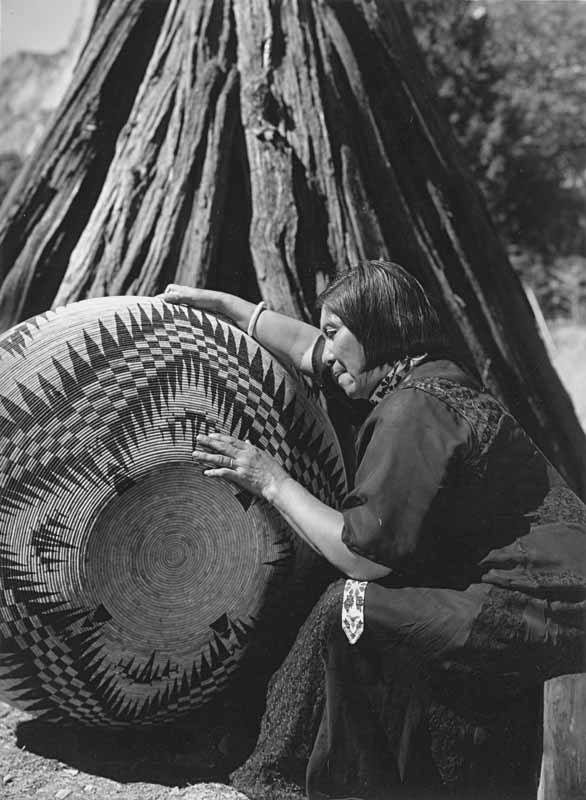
[
  {"x": 227, "y": 305},
  {"x": 289, "y": 339},
  {"x": 198, "y": 298}
]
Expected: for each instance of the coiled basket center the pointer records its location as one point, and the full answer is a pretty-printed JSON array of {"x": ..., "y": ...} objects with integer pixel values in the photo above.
[{"x": 131, "y": 585}]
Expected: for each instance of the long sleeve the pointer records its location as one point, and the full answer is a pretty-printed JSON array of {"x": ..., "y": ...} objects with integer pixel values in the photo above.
[{"x": 408, "y": 449}]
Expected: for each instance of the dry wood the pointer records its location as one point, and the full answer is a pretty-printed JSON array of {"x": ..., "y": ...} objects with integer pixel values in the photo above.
[
  {"x": 563, "y": 769},
  {"x": 49, "y": 204},
  {"x": 262, "y": 146},
  {"x": 289, "y": 138},
  {"x": 167, "y": 179}
]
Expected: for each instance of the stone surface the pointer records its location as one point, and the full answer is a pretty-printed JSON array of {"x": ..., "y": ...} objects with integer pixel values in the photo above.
[{"x": 210, "y": 791}]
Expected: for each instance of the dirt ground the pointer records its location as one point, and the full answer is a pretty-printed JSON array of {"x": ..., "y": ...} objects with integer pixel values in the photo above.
[
  {"x": 59, "y": 762},
  {"x": 48, "y": 762}
]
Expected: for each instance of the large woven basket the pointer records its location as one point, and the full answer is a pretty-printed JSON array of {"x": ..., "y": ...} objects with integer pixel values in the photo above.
[{"x": 132, "y": 586}]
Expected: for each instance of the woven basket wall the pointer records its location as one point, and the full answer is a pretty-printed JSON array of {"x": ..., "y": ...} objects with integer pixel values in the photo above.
[{"x": 131, "y": 586}]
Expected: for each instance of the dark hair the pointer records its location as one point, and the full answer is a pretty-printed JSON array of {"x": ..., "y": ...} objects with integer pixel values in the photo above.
[{"x": 388, "y": 311}]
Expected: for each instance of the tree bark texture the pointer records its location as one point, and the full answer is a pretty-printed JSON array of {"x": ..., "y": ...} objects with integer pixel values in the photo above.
[
  {"x": 261, "y": 147},
  {"x": 49, "y": 203},
  {"x": 563, "y": 769}
]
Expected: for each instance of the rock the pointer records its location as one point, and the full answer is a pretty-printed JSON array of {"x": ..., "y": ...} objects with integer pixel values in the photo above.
[
  {"x": 33, "y": 84},
  {"x": 62, "y": 794},
  {"x": 211, "y": 791},
  {"x": 7, "y": 779}
]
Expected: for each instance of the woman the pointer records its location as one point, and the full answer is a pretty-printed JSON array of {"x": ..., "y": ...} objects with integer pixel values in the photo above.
[{"x": 464, "y": 551}]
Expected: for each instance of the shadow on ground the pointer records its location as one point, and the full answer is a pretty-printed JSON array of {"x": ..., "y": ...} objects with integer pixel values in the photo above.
[{"x": 172, "y": 755}]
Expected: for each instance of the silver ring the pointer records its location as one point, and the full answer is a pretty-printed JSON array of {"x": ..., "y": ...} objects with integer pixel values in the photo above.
[{"x": 231, "y": 463}]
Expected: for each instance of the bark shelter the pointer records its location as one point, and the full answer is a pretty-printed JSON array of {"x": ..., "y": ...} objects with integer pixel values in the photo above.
[{"x": 261, "y": 146}]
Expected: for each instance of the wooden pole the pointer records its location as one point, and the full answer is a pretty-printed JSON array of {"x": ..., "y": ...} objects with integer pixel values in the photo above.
[
  {"x": 261, "y": 146},
  {"x": 265, "y": 146},
  {"x": 49, "y": 203},
  {"x": 563, "y": 766}
]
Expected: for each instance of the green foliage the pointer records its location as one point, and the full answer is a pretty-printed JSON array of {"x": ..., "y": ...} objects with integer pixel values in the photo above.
[
  {"x": 511, "y": 77},
  {"x": 455, "y": 41},
  {"x": 539, "y": 164}
]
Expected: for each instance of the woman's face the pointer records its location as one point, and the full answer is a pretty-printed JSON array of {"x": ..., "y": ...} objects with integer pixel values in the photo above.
[{"x": 344, "y": 354}]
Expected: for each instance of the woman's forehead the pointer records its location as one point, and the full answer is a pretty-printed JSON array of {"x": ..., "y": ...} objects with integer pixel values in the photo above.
[{"x": 327, "y": 317}]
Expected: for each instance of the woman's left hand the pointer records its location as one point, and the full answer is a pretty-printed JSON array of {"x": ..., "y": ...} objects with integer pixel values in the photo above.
[{"x": 241, "y": 462}]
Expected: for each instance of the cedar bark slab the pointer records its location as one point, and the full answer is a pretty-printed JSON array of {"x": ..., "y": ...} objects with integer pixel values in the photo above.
[
  {"x": 563, "y": 768},
  {"x": 262, "y": 147}
]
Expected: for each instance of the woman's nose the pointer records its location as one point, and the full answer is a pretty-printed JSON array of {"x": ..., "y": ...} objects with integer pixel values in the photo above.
[{"x": 327, "y": 355}]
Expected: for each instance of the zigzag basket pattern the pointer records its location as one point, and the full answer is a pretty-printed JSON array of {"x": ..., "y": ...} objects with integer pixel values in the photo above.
[{"x": 131, "y": 586}]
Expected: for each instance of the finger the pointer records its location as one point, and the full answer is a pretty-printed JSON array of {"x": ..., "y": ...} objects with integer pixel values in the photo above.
[
  {"x": 175, "y": 288},
  {"x": 217, "y": 459},
  {"x": 207, "y": 458},
  {"x": 238, "y": 444},
  {"x": 178, "y": 294},
  {"x": 220, "y": 443},
  {"x": 212, "y": 444},
  {"x": 223, "y": 437},
  {"x": 218, "y": 473},
  {"x": 171, "y": 293}
]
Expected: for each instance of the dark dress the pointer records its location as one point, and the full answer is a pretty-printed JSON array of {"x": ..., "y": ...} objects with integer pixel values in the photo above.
[{"x": 485, "y": 601}]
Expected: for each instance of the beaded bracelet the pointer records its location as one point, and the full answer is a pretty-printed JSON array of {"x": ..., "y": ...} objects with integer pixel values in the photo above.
[{"x": 254, "y": 318}]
